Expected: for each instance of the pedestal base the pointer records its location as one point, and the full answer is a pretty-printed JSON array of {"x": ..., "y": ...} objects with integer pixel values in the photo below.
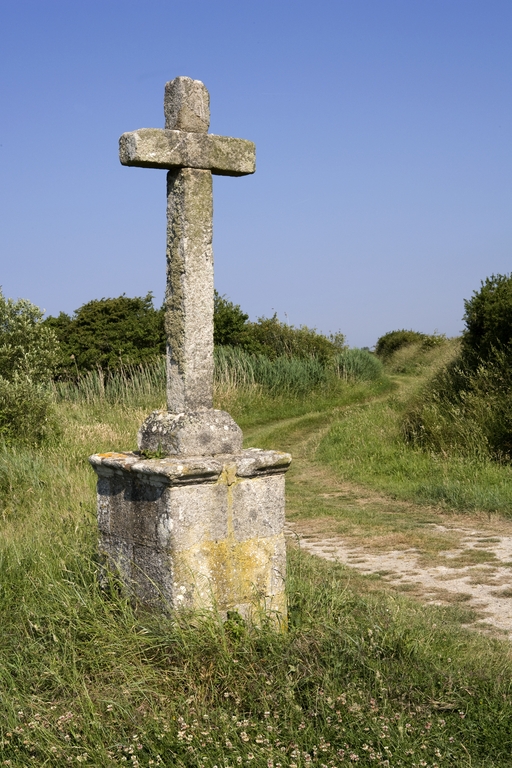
[
  {"x": 206, "y": 432},
  {"x": 196, "y": 532}
]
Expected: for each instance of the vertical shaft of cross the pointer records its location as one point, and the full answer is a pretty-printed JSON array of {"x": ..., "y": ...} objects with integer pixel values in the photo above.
[
  {"x": 189, "y": 293},
  {"x": 190, "y": 155}
]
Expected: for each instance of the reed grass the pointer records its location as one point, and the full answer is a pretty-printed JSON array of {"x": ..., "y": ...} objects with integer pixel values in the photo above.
[
  {"x": 128, "y": 385},
  {"x": 86, "y": 677},
  {"x": 359, "y": 365},
  {"x": 234, "y": 369}
]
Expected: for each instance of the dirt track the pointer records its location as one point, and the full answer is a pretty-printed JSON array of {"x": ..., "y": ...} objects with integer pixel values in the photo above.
[{"x": 485, "y": 587}]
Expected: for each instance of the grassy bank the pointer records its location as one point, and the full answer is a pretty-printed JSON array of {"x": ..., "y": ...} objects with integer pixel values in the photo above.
[
  {"x": 366, "y": 445},
  {"x": 362, "y": 676}
]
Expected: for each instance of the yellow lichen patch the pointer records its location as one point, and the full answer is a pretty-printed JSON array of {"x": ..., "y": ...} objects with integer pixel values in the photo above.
[{"x": 229, "y": 574}]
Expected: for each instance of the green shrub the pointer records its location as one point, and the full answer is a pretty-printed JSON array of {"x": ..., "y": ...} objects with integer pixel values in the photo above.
[
  {"x": 467, "y": 408},
  {"x": 488, "y": 320},
  {"x": 123, "y": 333},
  {"x": 391, "y": 342},
  {"x": 109, "y": 334},
  {"x": 28, "y": 355},
  {"x": 270, "y": 337},
  {"x": 465, "y": 411},
  {"x": 359, "y": 365},
  {"x": 229, "y": 322}
]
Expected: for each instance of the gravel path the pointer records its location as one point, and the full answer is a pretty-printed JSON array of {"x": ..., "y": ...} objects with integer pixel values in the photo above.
[{"x": 485, "y": 587}]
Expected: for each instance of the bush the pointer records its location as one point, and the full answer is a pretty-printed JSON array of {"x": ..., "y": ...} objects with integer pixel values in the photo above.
[
  {"x": 391, "y": 342},
  {"x": 28, "y": 355},
  {"x": 359, "y": 365},
  {"x": 467, "y": 406},
  {"x": 269, "y": 336},
  {"x": 229, "y": 322},
  {"x": 123, "y": 333},
  {"x": 488, "y": 320},
  {"x": 465, "y": 411},
  {"x": 109, "y": 333},
  {"x": 272, "y": 338}
]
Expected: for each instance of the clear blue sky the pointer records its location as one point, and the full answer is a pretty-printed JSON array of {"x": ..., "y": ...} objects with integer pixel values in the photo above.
[{"x": 383, "y": 131}]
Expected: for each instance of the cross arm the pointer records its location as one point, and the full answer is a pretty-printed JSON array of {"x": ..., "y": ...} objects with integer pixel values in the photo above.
[{"x": 162, "y": 148}]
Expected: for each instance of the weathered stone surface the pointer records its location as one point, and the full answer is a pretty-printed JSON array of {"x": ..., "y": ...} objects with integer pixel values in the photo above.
[
  {"x": 189, "y": 295},
  {"x": 254, "y": 461},
  {"x": 166, "y": 471},
  {"x": 196, "y": 433},
  {"x": 187, "y": 470},
  {"x": 203, "y": 526},
  {"x": 158, "y": 148},
  {"x": 186, "y": 105},
  {"x": 262, "y": 501},
  {"x": 181, "y": 539}
]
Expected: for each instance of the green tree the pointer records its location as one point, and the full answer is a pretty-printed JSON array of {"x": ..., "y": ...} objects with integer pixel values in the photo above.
[
  {"x": 29, "y": 352},
  {"x": 109, "y": 333},
  {"x": 488, "y": 320},
  {"x": 269, "y": 336},
  {"x": 274, "y": 339},
  {"x": 229, "y": 322}
]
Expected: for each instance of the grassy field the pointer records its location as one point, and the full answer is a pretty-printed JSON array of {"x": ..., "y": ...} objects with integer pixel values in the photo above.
[
  {"x": 366, "y": 445},
  {"x": 362, "y": 676}
]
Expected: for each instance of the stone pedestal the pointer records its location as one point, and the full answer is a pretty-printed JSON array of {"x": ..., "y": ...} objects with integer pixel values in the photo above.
[
  {"x": 202, "y": 527},
  {"x": 196, "y": 532}
]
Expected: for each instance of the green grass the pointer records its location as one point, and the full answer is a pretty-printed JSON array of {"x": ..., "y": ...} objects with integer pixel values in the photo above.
[
  {"x": 362, "y": 676},
  {"x": 282, "y": 377},
  {"x": 366, "y": 445}
]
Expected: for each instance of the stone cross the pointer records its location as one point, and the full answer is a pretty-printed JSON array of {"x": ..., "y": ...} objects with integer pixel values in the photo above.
[
  {"x": 192, "y": 520},
  {"x": 191, "y": 155}
]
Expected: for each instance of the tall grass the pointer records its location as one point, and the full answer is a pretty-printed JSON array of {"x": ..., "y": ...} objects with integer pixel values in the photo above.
[
  {"x": 88, "y": 677},
  {"x": 359, "y": 365},
  {"x": 128, "y": 385},
  {"x": 292, "y": 376},
  {"x": 420, "y": 359},
  {"x": 465, "y": 411},
  {"x": 367, "y": 444},
  {"x": 234, "y": 369},
  {"x": 252, "y": 387},
  {"x": 359, "y": 677}
]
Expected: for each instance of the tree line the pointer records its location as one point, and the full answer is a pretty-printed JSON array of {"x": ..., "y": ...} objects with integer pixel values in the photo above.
[{"x": 112, "y": 334}]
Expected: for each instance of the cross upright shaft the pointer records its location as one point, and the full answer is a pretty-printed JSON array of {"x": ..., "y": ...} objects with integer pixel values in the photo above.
[{"x": 190, "y": 155}]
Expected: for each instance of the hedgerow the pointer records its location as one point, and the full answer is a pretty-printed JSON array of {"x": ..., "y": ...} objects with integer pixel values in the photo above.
[{"x": 28, "y": 354}]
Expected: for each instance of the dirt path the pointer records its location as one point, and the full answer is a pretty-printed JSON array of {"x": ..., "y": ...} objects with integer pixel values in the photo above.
[
  {"x": 434, "y": 556},
  {"x": 484, "y": 586}
]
